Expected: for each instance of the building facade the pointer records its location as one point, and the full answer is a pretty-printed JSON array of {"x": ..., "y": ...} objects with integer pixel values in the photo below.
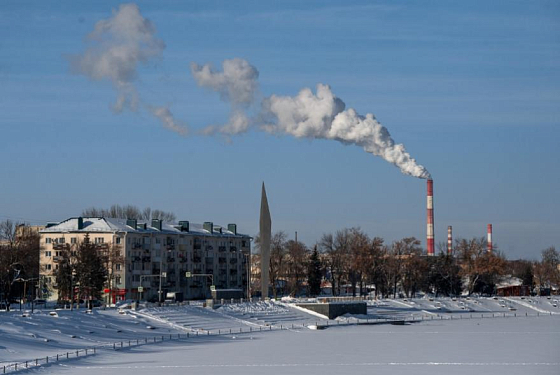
[{"x": 141, "y": 252}]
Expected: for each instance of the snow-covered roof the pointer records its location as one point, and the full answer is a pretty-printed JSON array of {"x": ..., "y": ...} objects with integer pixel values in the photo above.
[
  {"x": 509, "y": 281},
  {"x": 113, "y": 225}
]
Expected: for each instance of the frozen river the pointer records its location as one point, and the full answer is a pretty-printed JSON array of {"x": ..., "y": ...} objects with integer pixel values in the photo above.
[{"x": 478, "y": 346}]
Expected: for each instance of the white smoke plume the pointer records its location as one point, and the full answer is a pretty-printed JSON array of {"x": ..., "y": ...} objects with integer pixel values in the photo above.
[
  {"x": 236, "y": 83},
  {"x": 115, "y": 49},
  {"x": 323, "y": 116},
  {"x": 168, "y": 121},
  {"x": 306, "y": 115}
]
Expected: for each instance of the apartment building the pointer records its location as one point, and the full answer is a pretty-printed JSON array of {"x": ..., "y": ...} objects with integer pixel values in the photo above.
[{"x": 141, "y": 252}]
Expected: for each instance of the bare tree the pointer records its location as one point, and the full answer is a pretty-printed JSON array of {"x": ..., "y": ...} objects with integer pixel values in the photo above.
[
  {"x": 277, "y": 266},
  {"x": 297, "y": 257},
  {"x": 19, "y": 259},
  {"x": 129, "y": 212}
]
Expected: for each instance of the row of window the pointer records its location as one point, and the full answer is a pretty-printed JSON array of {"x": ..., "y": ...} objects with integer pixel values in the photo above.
[{"x": 74, "y": 240}]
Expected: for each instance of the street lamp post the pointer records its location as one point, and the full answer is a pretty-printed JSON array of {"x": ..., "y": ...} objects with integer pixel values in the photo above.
[
  {"x": 161, "y": 273},
  {"x": 145, "y": 276}
]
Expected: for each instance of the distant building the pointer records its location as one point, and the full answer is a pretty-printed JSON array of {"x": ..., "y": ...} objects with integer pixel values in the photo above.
[
  {"x": 139, "y": 248},
  {"x": 512, "y": 287}
]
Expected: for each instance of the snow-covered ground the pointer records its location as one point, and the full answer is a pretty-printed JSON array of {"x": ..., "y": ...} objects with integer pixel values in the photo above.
[{"x": 513, "y": 345}]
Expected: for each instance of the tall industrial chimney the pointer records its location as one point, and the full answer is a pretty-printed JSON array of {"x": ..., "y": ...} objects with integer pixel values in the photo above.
[
  {"x": 430, "y": 219},
  {"x": 489, "y": 230},
  {"x": 450, "y": 240}
]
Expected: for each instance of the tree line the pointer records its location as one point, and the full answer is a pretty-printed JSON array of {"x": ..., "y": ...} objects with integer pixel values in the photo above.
[
  {"x": 350, "y": 261},
  {"x": 129, "y": 212}
]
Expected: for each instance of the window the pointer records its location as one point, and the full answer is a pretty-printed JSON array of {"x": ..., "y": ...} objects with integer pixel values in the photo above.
[
  {"x": 61, "y": 240},
  {"x": 48, "y": 267},
  {"x": 48, "y": 240},
  {"x": 73, "y": 253},
  {"x": 47, "y": 253},
  {"x": 158, "y": 240},
  {"x": 57, "y": 253},
  {"x": 98, "y": 240},
  {"x": 73, "y": 240},
  {"x": 56, "y": 266},
  {"x": 118, "y": 279},
  {"x": 118, "y": 240},
  {"x": 118, "y": 266}
]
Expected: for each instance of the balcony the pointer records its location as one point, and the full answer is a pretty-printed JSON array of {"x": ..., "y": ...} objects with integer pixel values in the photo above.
[
  {"x": 232, "y": 249},
  {"x": 136, "y": 245},
  {"x": 221, "y": 249},
  {"x": 57, "y": 258},
  {"x": 170, "y": 247},
  {"x": 197, "y": 259},
  {"x": 222, "y": 260},
  {"x": 146, "y": 259},
  {"x": 170, "y": 260},
  {"x": 233, "y": 261}
]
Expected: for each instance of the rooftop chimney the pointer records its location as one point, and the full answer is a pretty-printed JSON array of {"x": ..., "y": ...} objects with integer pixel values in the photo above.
[
  {"x": 232, "y": 228},
  {"x": 209, "y": 226},
  {"x": 80, "y": 223},
  {"x": 430, "y": 218},
  {"x": 132, "y": 223},
  {"x": 156, "y": 223},
  {"x": 185, "y": 226},
  {"x": 489, "y": 230}
]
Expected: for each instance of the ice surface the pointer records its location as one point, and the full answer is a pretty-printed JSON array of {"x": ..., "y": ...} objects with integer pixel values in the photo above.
[{"x": 511, "y": 345}]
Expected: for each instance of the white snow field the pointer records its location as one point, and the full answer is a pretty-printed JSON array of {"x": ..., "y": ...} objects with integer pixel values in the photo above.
[{"x": 447, "y": 341}]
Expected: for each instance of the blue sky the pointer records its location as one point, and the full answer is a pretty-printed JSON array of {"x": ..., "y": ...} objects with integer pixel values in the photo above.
[{"x": 472, "y": 89}]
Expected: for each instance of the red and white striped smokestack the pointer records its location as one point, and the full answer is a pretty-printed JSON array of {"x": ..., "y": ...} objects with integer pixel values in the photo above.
[
  {"x": 449, "y": 240},
  {"x": 430, "y": 218},
  {"x": 489, "y": 230}
]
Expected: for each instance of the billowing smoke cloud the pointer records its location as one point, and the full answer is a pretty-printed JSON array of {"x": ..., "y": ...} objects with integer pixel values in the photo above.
[
  {"x": 116, "y": 47},
  {"x": 306, "y": 115},
  {"x": 236, "y": 83},
  {"x": 323, "y": 116},
  {"x": 168, "y": 121}
]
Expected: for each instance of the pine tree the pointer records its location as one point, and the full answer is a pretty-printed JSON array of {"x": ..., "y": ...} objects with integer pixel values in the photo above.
[
  {"x": 314, "y": 273},
  {"x": 90, "y": 270}
]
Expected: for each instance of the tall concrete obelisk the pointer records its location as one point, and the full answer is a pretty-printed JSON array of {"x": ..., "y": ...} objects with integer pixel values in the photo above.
[{"x": 265, "y": 235}]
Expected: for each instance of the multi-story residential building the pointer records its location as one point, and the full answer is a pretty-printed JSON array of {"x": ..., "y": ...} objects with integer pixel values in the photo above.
[{"x": 140, "y": 252}]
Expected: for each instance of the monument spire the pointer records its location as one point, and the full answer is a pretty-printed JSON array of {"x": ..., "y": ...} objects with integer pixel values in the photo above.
[{"x": 265, "y": 235}]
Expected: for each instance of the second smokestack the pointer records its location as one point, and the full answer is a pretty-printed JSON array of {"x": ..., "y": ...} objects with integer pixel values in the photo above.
[
  {"x": 489, "y": 230},
  {"x": 430, "y": 218},
  {"x": 450, "y": 240}
]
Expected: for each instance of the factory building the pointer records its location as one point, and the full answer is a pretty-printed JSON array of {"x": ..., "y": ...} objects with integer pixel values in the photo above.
[{"x": 140, "y": 251}]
